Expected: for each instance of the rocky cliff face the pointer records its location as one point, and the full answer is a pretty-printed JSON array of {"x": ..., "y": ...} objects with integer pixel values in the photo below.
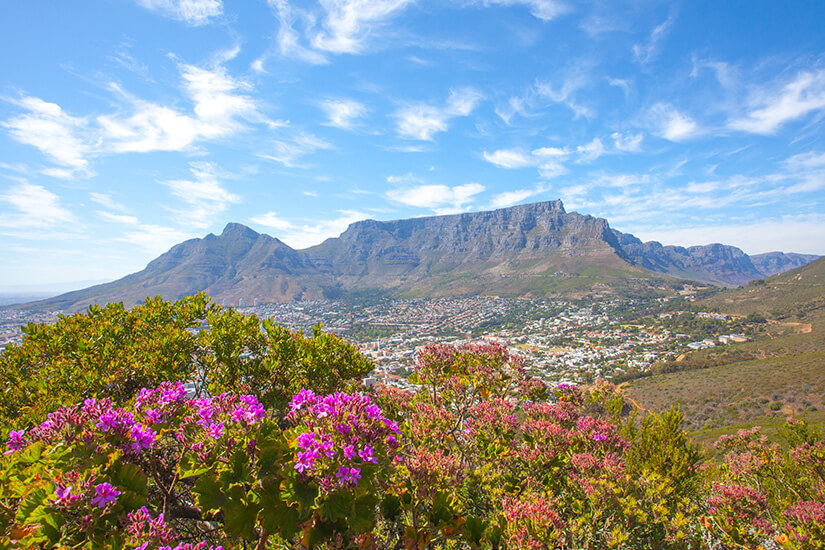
[
  {"x": 522, "y": 250},
  {"x": 717, "y": 264},
  {"x": 771, "y": 263}
]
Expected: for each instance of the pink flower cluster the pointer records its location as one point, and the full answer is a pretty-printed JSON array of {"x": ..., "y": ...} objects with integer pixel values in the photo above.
[
  {"x": 337, "y": 435},
  {"x": 141, "y": 526},
  {"x": 97, "y": 419}
]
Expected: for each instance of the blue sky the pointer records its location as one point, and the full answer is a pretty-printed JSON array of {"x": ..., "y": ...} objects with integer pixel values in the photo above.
[{"x": 127, "y": 126}]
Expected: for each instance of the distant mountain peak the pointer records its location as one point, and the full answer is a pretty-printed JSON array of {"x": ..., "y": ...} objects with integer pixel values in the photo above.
[
  {"x": 233, "y": 229},
  {"x": 525, "y": 250}
]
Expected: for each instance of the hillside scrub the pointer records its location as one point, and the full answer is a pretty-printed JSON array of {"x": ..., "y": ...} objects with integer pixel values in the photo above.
[{"x": 481, "y": 456}]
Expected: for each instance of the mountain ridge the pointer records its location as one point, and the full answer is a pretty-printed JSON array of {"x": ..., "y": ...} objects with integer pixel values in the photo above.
[{"x": 527, "y": 250}]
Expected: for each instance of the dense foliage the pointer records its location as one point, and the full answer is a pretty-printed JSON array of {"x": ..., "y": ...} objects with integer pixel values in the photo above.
[{"x": 276, "y": 449}]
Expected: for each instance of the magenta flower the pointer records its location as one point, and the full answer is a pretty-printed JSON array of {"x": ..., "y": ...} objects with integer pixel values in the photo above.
[
  {"x": 108, "y": 420},
  {"x": 306, "y": 440},
  {"x": 348, "y": 475},
  {"x": 155, "y": 416},
  {"x": 104, "y": 494},
  {"x": 349, "y": 451},
  {"x": 16, "y": 441},
  {"x": 143, "y": 438},
  {"x": 367, "y": 455},
  {"x": 599, "y": 437},
  {"x": 215, "y": 431},
  {"x": 306, "y": 460}
]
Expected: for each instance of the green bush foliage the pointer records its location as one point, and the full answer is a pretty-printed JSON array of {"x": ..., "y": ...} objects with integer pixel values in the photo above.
[{"x": 280, "y": 449}]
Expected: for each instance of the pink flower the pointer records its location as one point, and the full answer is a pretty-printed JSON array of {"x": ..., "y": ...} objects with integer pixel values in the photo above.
[
  {"x": 348, "y": 475},
  {"x": 104, "y": 494},
  {"x": 16, "y": 441}
]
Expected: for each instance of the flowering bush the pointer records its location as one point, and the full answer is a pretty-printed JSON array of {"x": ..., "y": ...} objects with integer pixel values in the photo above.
[
  {"x": 482, "y": 456},
  {"x": 768, "y": 492}
]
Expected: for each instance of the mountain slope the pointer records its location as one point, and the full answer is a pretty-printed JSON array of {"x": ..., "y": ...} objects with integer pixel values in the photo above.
[
  {"x": 771, "y": 263},
  {"x": 528, "y": 250}
]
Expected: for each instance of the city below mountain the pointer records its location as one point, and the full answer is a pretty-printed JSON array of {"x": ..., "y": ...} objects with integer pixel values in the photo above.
[{"x": 531, "y": 250}]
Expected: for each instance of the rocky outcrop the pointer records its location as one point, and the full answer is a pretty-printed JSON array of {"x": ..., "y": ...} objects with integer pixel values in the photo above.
[{"x": 521, "y": 250}]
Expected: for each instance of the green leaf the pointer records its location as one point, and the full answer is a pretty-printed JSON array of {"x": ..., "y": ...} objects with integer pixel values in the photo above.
[
  {"x": 191, "y": 466},
  {"x": 31, "y": 504},
  {"x": 32, "y": 453},
  {"x": 238, "y": 471},
  {"x": 210, "y": 496},
  {"x": 303, "y": 494},
  {"x": 363, "y": 513},
  {"x": 391, "y": 507},
  {"x": 129, "y": 476},
  {"x": 336, "y": 505},
  {"x": 240, "y": 519},
  {"x": 276, "y": 515}
]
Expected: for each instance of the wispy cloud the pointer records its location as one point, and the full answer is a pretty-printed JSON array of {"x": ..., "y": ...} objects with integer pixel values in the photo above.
[
  {"x": 33, "y": 207},
  {"x": 421, "y": 121},
  {"x": 590, "y": 151},
  {"x": 302, "y": 234},
  {"x": 666, "y": 121},
  {"x": 106, "y": 200},
  {"x": 648, "y": 51},
  {"x": 627, "y": 142},
  {"x": 510, "y": 198},
  {"x": 204, "y": 194},
  {"x": 772, "y": 106},
  {"x": 221, "y": 107},
  {"x": 510, "y": 158},
  {"x": 544, "y": 93},
  {"x": 343, "y": 113},
  {"x": 154, "y": 239},
  {"x": 289, "y": 152},
  {"x": 289, "y": 39},
  {"x": 62, "y": 137},
  {"x": 348, "y": 23},
  {"x": 441, "y": 199},
  {"x": 542, "y": 9},
  {"x": 192, "y": 12}
]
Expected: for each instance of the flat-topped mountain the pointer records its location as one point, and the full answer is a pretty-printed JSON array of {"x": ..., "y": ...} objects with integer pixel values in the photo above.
[{"x": 527, "y": 250}]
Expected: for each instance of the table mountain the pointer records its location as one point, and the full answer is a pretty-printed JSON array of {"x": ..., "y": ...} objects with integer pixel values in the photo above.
[{"x": 528, "y": 250}]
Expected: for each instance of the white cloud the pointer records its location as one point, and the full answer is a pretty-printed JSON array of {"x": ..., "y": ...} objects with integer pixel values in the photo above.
[
  {"x": 667, "y": 122},
  {"x": 34, "y": 207},
  {"x": 645, "y": 53},
  {"x": 303, "y": 235},
  {"x": 442, "y": 199},
  {"x": 289, "y": 39},
  {"x": 289, "y": 152},
  {"x": 772, "y": 107},
  {"x": 106, "y": 200},
  {"x": 509, "y": 198},
  {"x": 219, "y": 104},
  {"x": 204, "y": 194},
  {"x": 60, "y": 136},
  {"x": 548, "y": 160},
  {"x": 542, "y": 9},
  {"x": 544, "y": 93},
  {"x": 509, "y": 158},
  {"x": 219, "y": 108},
  {"x": 193, "y": 12},
  {"x": 271, "y": 219},
  {"x": 590, "y": 151},
  {"x": 123, "y": 219},
  {"x": 155, "y": 239},
  {"x": 343, "y": 113},
  {"x": 627, "y": 142},
  {"x": 421, "y": 121},
  {"x": 348, "y": 23}
]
